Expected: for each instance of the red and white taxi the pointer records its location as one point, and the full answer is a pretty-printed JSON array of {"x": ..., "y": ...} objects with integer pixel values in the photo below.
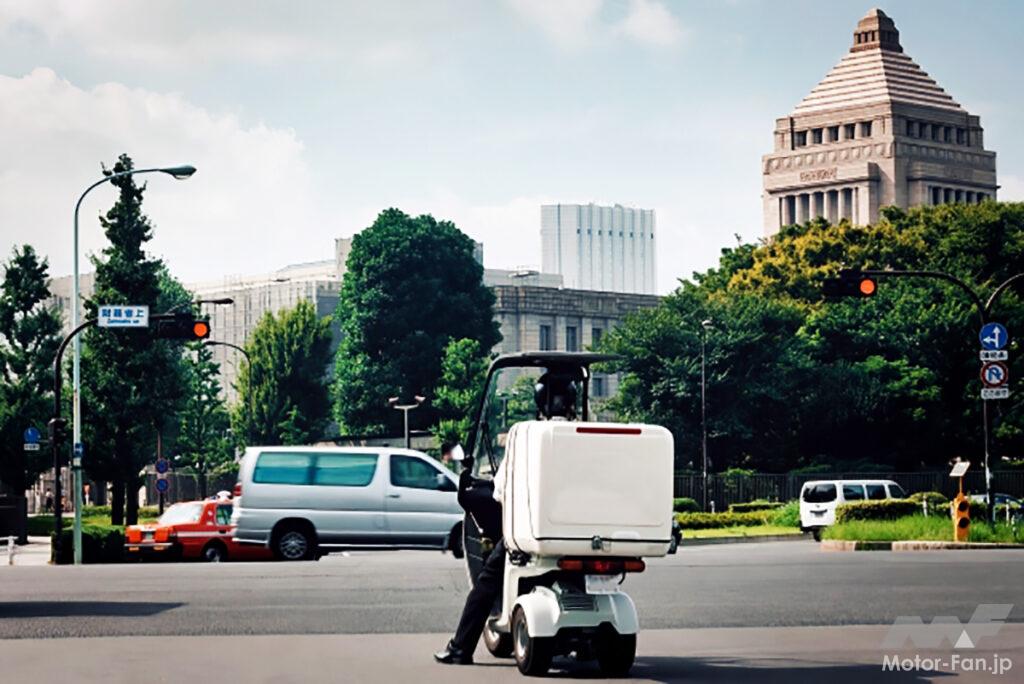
[{"x": 195, "y": 530}]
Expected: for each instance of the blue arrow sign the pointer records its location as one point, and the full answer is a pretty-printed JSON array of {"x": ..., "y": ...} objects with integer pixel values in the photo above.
[
  {"x": 79, "y": 449},
  {"x": 993, "y": 336},
  {"x": 162, "y": 485},
  {"x": 32, "y": 436},
  {"x": 162, "y": 465}
]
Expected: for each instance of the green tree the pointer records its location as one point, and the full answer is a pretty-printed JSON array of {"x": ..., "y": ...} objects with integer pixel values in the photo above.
[
  {"x": 283, "y": 397},
  {"x": 463, "y": 371},
  {"x": 132, "y": 385},
  {"x": 795, "y": 381},
  {"x": 411, "y": 286},
  {"x": 29, "y": 337},
  {"x": 203, "y": 445}
]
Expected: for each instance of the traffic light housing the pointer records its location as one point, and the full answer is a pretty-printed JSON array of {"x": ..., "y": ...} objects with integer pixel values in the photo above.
[
  {"x": 850, "y": 283},
  {"x": 961, "y": 518},
  {"x": 183, "y": 326}
]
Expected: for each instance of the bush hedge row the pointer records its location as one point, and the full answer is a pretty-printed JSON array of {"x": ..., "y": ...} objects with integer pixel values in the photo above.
[
  {"x": 755, "y": 506},
  {"x": 705, "y": 521},
  {"x": 100, "y": 544},
  {"x": 685, "y": 505},
  {"x": 888, "y": 509}
]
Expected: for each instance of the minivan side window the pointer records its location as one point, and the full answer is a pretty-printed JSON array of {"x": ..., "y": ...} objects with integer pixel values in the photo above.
[
  {"x": 345, "y": 470},
  {"x": 896, "y": 492},
  {"x": 853, "y": 492},
  {"x": 409, "y": 471},
  {"x": 820, "y": 493},
  {"x": 876, "y": 492},
  {"x": 279, "y": 468}
]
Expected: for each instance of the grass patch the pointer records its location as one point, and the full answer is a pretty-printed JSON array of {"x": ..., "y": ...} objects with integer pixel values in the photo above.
[
  {"x": 920, "y": 528},
  {"x": 747, "y": 531},
  {"x": 42, "y": 525}
]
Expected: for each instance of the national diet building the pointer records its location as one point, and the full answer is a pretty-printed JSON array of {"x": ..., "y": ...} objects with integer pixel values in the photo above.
[{"x": 877, "y": 131}]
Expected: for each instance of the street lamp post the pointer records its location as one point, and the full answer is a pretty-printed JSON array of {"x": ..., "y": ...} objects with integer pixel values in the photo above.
[
  {"x": 405, "y": 408},
  {"x": 179, "y": 172},
  {"x": 704, "y": 327}
]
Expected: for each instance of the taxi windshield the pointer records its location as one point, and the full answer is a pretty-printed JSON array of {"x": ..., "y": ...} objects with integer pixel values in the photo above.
[{"x": 182, "y": 513}]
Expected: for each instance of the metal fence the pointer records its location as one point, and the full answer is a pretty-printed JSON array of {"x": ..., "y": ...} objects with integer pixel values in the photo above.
[
  {"x": 724, "y": 490},
  {"x": 185, "y": 487}
]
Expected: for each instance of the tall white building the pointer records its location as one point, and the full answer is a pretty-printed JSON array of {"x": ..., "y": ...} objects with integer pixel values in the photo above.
[{"x": 599, "y": 248}]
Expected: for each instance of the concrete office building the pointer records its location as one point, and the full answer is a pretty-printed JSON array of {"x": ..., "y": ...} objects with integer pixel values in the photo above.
[
  {"x": 611, "y": 249},
  {"x": 876, "y": 131}
]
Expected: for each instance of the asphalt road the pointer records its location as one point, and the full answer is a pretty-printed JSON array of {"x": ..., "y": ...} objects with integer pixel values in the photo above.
[{"x": 781, "y": 611}]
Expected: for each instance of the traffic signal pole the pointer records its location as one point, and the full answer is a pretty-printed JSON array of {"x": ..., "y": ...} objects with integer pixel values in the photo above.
[
  {"x": 984, "y": 309},
  {"x": 56, "y": 438}
]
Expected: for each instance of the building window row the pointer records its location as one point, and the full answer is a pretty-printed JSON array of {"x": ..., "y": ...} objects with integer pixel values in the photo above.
[
  {"x": 925, "y": 130},
  {"x": 834, "y": 205},
  {"x": 546, "y": 338},
  {"x": 941, "y": 195},
  {"x": 831, "y": 134}
]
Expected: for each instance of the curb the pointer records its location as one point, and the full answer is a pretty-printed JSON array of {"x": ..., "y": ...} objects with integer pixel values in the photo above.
[
  {"x": 739, "y": 540},
  {"x": 843, "y": 545}
]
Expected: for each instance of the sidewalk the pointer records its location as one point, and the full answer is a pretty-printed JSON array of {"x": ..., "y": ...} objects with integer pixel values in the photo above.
[{"x": 36, "y": 552}]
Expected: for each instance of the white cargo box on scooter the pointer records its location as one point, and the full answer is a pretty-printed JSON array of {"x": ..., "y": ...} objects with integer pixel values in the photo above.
[{"x": 584, "y": 489}]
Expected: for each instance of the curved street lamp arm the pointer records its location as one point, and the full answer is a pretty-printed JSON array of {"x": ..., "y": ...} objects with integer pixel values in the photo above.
[{"x": 999, "y": 291}]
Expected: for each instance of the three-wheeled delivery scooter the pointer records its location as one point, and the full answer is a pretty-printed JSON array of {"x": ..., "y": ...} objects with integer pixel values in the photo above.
[{"x": 584, "y": 503}]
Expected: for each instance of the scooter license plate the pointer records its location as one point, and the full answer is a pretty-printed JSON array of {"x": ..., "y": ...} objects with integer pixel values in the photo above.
[{"x": 601, "y": 584}]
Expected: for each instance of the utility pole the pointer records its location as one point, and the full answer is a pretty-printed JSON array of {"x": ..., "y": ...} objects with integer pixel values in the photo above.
[{"x": 704, "y": 327}]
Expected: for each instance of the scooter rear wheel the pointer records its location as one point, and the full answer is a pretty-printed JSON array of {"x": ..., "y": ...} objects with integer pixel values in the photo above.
[{"x": 533, "y": 654}]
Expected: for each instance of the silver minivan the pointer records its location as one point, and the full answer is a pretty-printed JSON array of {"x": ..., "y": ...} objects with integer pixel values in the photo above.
[
  {"x": 304, "y": 501},
  {"x": 820, "y": 498}
]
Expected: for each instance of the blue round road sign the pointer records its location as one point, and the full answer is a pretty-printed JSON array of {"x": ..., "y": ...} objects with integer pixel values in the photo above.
[
  {"x": 32, "y": 436},
  {"x": 993, "y": 336},
  {"x": 162, "y": 485},
  {"x": 162, "y": 465}
]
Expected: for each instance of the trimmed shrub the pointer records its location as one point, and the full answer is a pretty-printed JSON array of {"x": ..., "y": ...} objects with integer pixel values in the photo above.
[
  {"x": 707, "y": 521},
  {"x": 760, "y": 505},
  {"x": 937, "y": 501},
  {"x": 788, "y": 515},
  {"x": 887, "y": 509},
  {"x": 685, "y": 505},
  {"x": 100, "y": 544}
]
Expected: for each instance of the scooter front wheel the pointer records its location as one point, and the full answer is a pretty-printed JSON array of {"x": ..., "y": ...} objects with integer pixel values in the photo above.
[
  {"x": 616, "y": 654},
  {"x": 498, "y": 643},
  {"x": 533, "y": 654}
]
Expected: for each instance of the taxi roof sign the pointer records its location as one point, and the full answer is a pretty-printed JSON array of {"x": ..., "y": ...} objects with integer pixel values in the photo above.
[{"x": 960, "y": 468}]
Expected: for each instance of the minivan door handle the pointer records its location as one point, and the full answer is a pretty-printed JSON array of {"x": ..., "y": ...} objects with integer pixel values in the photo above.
[{"x": 394, "y": 496}]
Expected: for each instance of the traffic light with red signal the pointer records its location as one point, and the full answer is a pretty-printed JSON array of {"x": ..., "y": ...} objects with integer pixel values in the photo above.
[
  {"x": 850, "y": 283},
  {"x": 183, "y": 326}
]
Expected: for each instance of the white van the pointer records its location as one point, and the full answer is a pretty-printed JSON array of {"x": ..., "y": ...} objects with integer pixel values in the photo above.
[
  {"x": 301, "y": 501},
  {"x": 819, "y": 498}
]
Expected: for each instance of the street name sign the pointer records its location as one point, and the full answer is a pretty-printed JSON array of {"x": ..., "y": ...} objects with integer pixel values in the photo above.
[
  {"x": 994, "y": 355},
  {"x": 993, "y": 336},
  {"x": 123, "y": 316},
  {"x": 995, "y": 393}
]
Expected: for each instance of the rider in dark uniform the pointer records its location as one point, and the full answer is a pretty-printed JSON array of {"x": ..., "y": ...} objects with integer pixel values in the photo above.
[{"x": 556, "y": 398}]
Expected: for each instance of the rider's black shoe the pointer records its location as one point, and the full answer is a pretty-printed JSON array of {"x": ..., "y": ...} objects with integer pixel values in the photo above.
[{"x": 453, "y": 656}]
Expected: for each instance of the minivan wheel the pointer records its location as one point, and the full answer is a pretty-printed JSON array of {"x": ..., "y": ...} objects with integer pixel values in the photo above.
[
  {"x": 817, "y": 534},
  {"x": 455, "y": 542},
  {"x": 294, "y": 543}
]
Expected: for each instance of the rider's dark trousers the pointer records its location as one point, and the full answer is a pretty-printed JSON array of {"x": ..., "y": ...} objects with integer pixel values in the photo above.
[{"x": 481, "y": 600}]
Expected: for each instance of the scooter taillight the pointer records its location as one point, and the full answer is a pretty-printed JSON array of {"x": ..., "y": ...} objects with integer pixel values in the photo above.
[{"x": 602, "y": 566}]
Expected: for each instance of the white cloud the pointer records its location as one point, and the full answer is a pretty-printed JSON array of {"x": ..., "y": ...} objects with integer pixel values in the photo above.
[
  {"x": 649, "y": 21},
  {"x": 575, "y": 24},
  {"x": 248, "y": 208}
]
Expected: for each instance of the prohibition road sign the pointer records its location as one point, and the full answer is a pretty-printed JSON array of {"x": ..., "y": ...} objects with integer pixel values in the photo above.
[{"x": 994, "y": 374}]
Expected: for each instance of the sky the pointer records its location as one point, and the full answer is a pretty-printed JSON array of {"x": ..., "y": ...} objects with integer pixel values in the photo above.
[{"x": 305, "y": 119}]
